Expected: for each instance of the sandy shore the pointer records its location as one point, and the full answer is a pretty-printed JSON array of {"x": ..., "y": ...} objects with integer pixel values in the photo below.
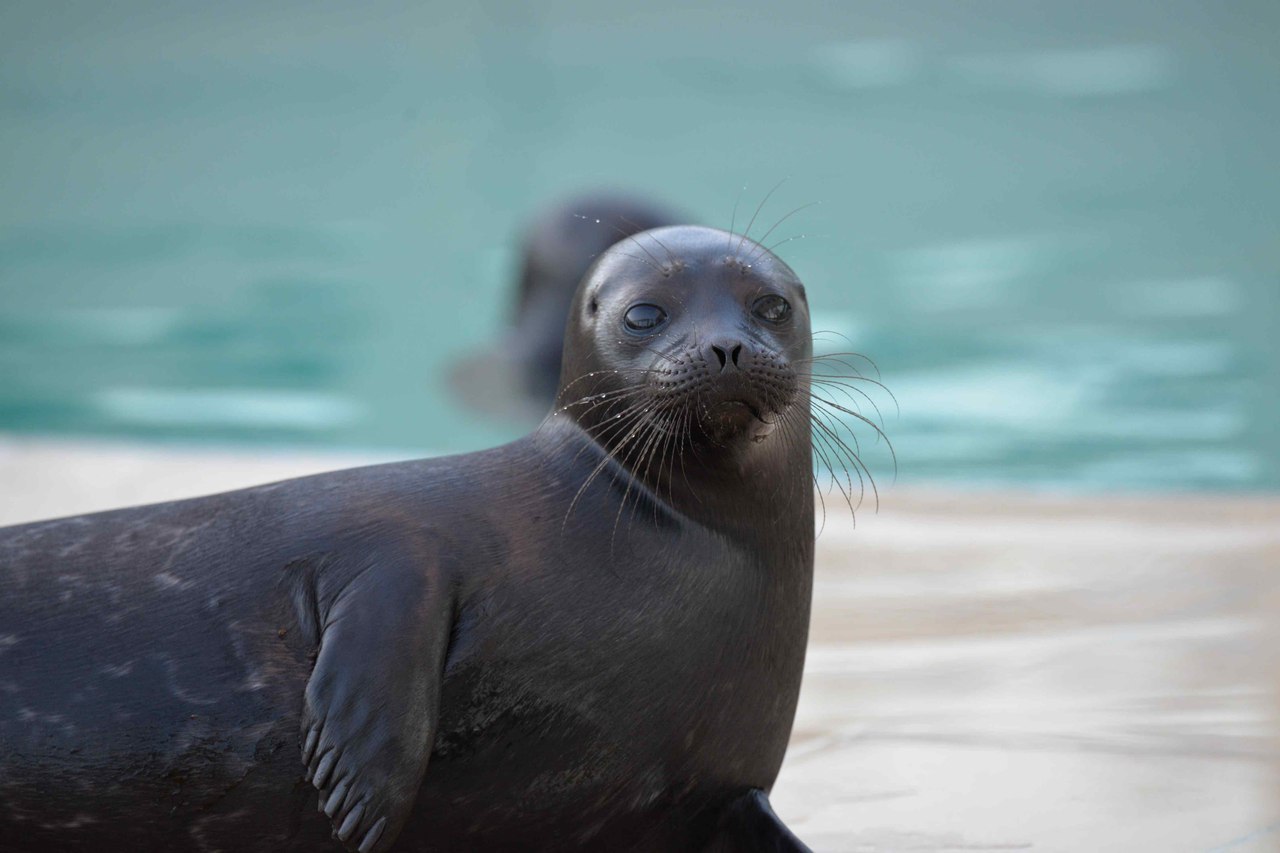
[{"x": 986, "y": 671}]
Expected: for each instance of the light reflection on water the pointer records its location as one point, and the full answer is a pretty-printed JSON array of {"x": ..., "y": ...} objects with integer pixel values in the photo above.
[{"x": 1054, "y": 232}]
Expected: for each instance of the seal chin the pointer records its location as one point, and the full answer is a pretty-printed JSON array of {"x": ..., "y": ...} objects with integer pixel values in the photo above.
[
  {"x": 729, "y": 419},
  {"x": 737, "y": 408},
  {"x": 760, "y": 430}
]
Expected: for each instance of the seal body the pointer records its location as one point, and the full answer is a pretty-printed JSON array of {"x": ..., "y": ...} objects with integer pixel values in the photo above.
[{"x": 591, "y": 638}]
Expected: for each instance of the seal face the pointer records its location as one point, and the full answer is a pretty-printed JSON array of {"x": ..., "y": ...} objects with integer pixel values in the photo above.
[
  {"x": 591, "y": 638},
  {"x": 693, "y": 335}
]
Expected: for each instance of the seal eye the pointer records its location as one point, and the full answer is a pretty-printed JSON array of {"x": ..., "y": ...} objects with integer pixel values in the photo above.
[
  {"x": 644, "y": 318},
  {"x": 772, "y": 308}
]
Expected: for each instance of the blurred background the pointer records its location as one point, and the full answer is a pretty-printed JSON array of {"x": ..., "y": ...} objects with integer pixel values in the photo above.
[
  {"x": 1052, "y": 225},
  {"x": 241, "y": 241}
]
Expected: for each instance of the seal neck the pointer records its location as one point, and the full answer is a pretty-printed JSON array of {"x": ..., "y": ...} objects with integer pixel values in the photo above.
[{"x": 760, "y": 493}]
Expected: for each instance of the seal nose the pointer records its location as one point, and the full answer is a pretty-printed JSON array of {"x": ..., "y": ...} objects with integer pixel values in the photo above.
[{"x": 726, "y": 352}]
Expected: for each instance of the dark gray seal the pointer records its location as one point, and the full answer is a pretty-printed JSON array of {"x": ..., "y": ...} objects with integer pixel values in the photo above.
[
  {"x": 519, "y": 373},
  {"x": 591, "y": 638}
]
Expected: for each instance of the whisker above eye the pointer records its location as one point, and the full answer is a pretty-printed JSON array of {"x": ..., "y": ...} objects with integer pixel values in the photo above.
[
  {"x": 760, "y": 248},
  {"x": 747, "y": 231}
]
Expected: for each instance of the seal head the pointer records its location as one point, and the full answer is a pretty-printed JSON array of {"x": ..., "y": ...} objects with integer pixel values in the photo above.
[{"x": 689, "y": 342}]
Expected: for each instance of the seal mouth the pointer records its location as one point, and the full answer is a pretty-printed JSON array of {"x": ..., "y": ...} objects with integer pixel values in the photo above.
[
  {"x": 741, "y": 417},
  {"x": 739, "y": 406},
  {"x": 752, "y": 407}
]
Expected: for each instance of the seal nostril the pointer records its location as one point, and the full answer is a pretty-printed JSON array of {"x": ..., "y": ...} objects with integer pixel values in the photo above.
[{"x": 728, "y": 353}]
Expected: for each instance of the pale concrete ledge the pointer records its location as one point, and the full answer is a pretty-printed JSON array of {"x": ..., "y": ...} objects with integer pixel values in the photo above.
[{"x": 986, "y": 671}]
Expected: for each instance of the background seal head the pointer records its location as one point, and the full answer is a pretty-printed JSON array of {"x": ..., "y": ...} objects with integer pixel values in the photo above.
[{"x": 518, "y": 375}]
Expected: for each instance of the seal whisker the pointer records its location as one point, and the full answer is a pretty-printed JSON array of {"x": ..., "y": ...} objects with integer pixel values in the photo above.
[
  {"x": 759, "y": 250},
  {"x": 825, "y": 362},
  {"x": 800, "y": 432},
  {"x": 660, "y": 425},
  {"x": 833, "y": 425},
  {"x": 859, "y": 467},
  {"x": 774, "y": 247},
  {"x": 825, "y": 380},
  {"x": 614, "y": 250},
  {"x": 822, "y": 455},
  {"x": 611, "y": 423},
  {"x": 733, "y": 219},
  {"x": 599, "y": 373},
  {"x": 613, "y": 426},
  {"x": 826, "y": 437},
  {"x": 671, "y": 259},
  {"x": 747, "y": 232},
  {"x": 593, "y": 397},
  {"x": 601, "y": 432},
  {"x": 595, "y": 472},
  {"x": 687, "y": 431},
  {"x": 669, "y": 445},
  {"x": 824, "y": 401},
  {"x": 643, "y": 434},
  {"x": 851, "y": 413},
  {"x": 598, "y": 397},
  {"x": 661, "y": 354},
  {"x": 643, "y": 455},
  {"x": 854, "y": 377},
  {"x": 657, "y": 265},
  {"x": 594, "y": 401},
  {"x": 657, "y": 438},
  {"x": 827, "y": 356},
  {"x": 603, "y": 463},
  {"x": 790, "y": 433},
  {"x": 849, "y": 390},
  {"x": 620, "y": 421},
  {"x": 677, "y": 450},
  {"x": 841, "y": 335},
  {"x": 656, "y": 424},
  {"x": 827, "y": 454}
]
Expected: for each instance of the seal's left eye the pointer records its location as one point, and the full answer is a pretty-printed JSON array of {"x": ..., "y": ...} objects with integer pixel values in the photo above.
[
  {"x": 773, "y": 308},
  {"x": 644, "y": 317}
]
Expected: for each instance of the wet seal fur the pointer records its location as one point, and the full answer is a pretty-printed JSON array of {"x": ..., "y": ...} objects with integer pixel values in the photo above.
[{"x": 591, "y": 638}]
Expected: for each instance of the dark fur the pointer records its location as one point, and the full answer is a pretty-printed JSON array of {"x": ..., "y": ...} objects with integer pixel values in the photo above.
[{"x": 561, "y": 643}]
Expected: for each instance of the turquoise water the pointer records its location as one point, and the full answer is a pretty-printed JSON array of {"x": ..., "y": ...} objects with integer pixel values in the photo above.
[{"x": 1055, "y": 227}]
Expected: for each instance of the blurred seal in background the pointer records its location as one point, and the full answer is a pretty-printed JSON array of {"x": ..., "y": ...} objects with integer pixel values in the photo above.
[{"x": 517, "y": 375}]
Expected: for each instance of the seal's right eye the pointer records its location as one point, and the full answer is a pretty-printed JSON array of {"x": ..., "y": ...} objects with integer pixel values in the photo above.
[{"x": 644, "y": 318}]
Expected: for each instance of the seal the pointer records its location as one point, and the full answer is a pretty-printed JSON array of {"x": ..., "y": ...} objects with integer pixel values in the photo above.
[
  {"x": 519, "y": 374},
  {"x": 590, "y": 638}
]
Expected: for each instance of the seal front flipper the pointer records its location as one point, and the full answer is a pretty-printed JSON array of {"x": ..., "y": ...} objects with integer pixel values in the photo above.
[
  {"x": 749, "y": 825},
  {"x": 372, "y": 701}
]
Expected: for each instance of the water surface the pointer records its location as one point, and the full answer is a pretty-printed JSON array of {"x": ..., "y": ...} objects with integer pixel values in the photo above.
[{"x": 1052, "y": 226}]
